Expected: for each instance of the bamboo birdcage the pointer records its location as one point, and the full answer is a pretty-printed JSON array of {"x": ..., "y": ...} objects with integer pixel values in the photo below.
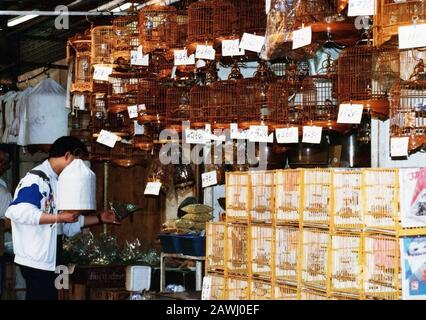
[
  {"x": 301, "y": 99},
  {"x": 261, "y": 196},
  {"x": 347, "y": 205},
  {"x": 222, "y": 104},
  {"x": 288, "y": 188},
  {"x": 366, "y": 75},
  {"x": 123, "y": 83},
  {"x": 346, "y": 263},
  {"x": 261, "y": 290},
  {"x": 177, "y": 106},
  {"x": 237, "y": 250},
  {"x": 103, "y": 41},
  {"x": 215, "y": 246},
  {"x": 286, "y": 292},
  {"x": 99, "y": 113},
  {"x": 182, "y": 28},
  {"x": 82, "y": 77},
  {"x": 199, "y": 97},
  {"x": 251, "y": 16},
  {"x": 126, "y": 32},
  {"x": 157, "y": 27},
  {"x": 217, "y": 287},
  {"x": 381, "y": 267},
  {"x": 310, "y": 294},
  {"x": 225, "y": 19},
  {"x": 277, "y": 100},
  {"x": 237, "y": 288},
  {"x": 317, "y": 197},
  {"x": 118, "y": 114},
  {"x": 393, "y": 14},
  {"x": 262, "y": 247},
  {"x": 152, "y": 99},
  {"x": 315, "y": 248},
  {"x": 380, "y": 194},
  {"x": 287, "y": 253},
  {"x": 237, "y": 193}
]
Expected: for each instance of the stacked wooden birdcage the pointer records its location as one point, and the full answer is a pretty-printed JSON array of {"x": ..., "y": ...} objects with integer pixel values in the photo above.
[
  {"x": 366, "y": 75},
  {"x": 408, "y": 101},
  {"x": 237, "y": 193},
  {"x": 393, "y": 14},
  {"x": 286, "y": 292},
  {"x": 157, "y": 27},
  {"x": 262, "y": 251},
  {"x": 217, "y": 287},
  {"x": 287, "y": 254},
  {"x": 288, "y": 186},
  {"x": 237, "y": 288},
  {"x": 215, "y": 247},
  {"x": 261, "y": 290},
  {"x": 261, "y": 197},
  {"x": 126, "y": 34}
]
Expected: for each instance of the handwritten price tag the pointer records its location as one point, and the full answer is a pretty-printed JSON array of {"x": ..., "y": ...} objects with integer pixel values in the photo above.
[
  {"x": 207, "y": 288},
  {"x": 399, "y": 147},
  {"x": 361, "y": 8},
  {"x": 258, "y": 134},
  {"x": 235, "y": 133},
  {"x": 133, "y": 111},
  {"x": 139, "y": 129},
  {"x": 312, "y": 134},
  {"x": 231, "y": 48},
  {"x": 208, "y": 179},
  {"x": 152, "y": 188},
  {"x": 107, "y": 138},
  {"x": 196, "y": 136},
  {"x": 287, "y": 135},
  {"x": 101, "y": 73},
  {"x": 302, "y": 37},
  {"x": 182, "y": 59},
  {"x": 137, "y": 58},
  {"x": 205, "y": 52},
  {"x": 412, "y": 36},
  {"x": 350, "y": 113},
  {"x": 252, "y": 42}
]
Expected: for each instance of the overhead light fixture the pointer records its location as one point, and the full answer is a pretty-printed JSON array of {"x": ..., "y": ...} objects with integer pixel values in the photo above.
[
  {"x": 123, "y": 7},
  {"x": 15, "y": 21}
]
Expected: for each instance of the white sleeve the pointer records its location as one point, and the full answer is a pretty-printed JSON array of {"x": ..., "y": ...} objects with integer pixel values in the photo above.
[
  {"x": 71, "y": 229},
  {"x": 5, "y": 200},
  {"x": 24, "y": 213}
]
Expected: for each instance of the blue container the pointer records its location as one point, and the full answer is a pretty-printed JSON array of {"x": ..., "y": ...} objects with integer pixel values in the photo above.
[
  {"x": 192, "y": 245},
  {"x": 170, "y": 243}
]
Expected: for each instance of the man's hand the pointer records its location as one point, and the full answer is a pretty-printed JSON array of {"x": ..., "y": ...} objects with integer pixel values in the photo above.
[
  {"x": 68, "y": 216},
  {"x": 108, "y": 217}
]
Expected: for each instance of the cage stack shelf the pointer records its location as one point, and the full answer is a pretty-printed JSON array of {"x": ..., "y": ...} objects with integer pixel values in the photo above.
[
  {"x": 215, "y": 247},
  {"x": 262, "y": 251},
  {"x": 261, "y": 196},
  {"x": 286, "y": 292},
  {"x": 237, "y": 250},
  {"x": 237, "y": 193},
  {"x": 237, "y": 288},
  {"x": 287, "y": 254},
  {"x": 261, "y": 290},
  {"x": 288, "y": 189}
]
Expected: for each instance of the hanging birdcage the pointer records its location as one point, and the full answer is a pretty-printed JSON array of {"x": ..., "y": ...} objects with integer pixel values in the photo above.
[
  {"x": 251, "y": 16},
  {"x": 225, "y": 19},
  {"x": 123, "y": 83},
  {"x": 157, "y": 27},
  {"x": 103, "y": 41},
  {"x": 393, "y": 14},
  {"x": 301, "y": 99},
  {"x": 126, "y": 32},
  {"x": 366, "y": 75},
  {"x": 177, "y": 106},
  {"x": 151, "y": 99},
  {"x": 277, "y": 100},
  {"x": 81, "y": 44},
  {"x": 199, "y": 98},
  {"x": 200, "y": 22},
  {"x": 118, "y": 113},
  {"x": 222, "y": 110},
  {"x": 182, "y": 28}
]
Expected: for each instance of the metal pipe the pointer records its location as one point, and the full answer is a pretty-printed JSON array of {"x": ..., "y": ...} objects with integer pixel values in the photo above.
[
  {"x": 63, "y": 13},
  {"x": 105, "y": 191}
]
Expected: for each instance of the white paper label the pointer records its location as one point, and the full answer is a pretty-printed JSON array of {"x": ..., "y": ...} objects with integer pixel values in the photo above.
[
  {"x": 267, "y": 6},
  {"x": 196, "y": 136},
  {"x": 312, "y": 134},
  {"x": 231, "y": 48},
  {"x": 208, "y": 179},
  {"x": 205, "y": 52},
  {"x": 137, "y": 58},
  {"x": 235, "y": 133},
  {"x": 107, "y": 138},
  {"x": 200, "y": 64},
  {"x": 259, "y": 134},
  {"x": 139, "y": 129},
  {"x": 302, "y": 37},
  {"x": 182, "y": 59},
  {"x": 287, "y": 135},
  {"x": 133, "y": 111},
  {"x": 412, "y": 36},
  {"x": 153, "y": 188},
  {"x": 207, "y": 288},
  {"x": 252, "y": 42},
  {"x": 174, "y": 72},
  {"x": 399, "y": 147},
  {"x": 101, "y": 73},
  {"x": 350, "y": 113},
  {"x": 361, "y": 8}
]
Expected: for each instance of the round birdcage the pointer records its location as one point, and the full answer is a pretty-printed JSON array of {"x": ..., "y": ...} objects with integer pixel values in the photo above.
[
  {"x": 103, "y": 42},
  {"x": 151, "y": 100},
  {"x": 82, "y": 77},
  {"x": 366, "y": 75},
  {"x": 126, "y": 32},
  {"x": 124, "y": 82},
  {"x": 177, "y": 106},
  {"x": 157, "y": 27}
]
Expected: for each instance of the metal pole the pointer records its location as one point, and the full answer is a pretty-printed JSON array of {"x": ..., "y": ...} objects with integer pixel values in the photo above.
[
  {"x": 105, "y": 191},
  {"x": 62, "y": 13}
]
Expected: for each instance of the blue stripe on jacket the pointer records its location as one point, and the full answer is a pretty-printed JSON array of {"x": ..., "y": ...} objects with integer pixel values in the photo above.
[{"x": 30, "y": 195}]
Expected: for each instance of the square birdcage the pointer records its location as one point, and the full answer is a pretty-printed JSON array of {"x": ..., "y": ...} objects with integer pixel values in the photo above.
[
  {"x": 287, "y": 254},
  {"x": 317, "y": 197},
  {"x": 381, "y": 267},
  {"x": 237, "y": 261},
  {"x": 157, "y": 27},
  {"x": 126, "y": 33},
  {"x": 251, "y": 16},
  {"x": 393, "y": 14},
  {"x": 237, "y": 194},
  {"x": 288, "y": 190},
  {"x": 82, "y": 77},
  {"x": 262, "y": 246},
  {"x": 199, "y": 98},
  {"x": 408, "y": 113},
  {"x": 215, "y": 246},
  {"x": 347, "y": 204},
  {"x": 261, "y": 290},
  {"x": 346, "y": 263},
  {"x": 286, "y": 292},
  {"x": 366, "y": 75},
  {"x": 261, "y": 196},
  {"x": 380, "y": 199},
  {"x": 311, "y": 294},
  {"x": 177, "y": 106},
  {"x": 103, "y": 42},
  {"x": 222, "y": 104},
  {"x": 217, "y": 286},
  {"x": 314, "y": 266},
  {"x": 237, "y": 288}
]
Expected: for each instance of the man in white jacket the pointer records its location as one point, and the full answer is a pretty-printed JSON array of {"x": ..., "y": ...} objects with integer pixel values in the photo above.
[{"x": 37, "y": 227}]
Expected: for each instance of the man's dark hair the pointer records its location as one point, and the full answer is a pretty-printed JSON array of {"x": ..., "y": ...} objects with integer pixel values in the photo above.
[
  {"x": 6, "y": 149},
  {"x": 69, "y": 144}
]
